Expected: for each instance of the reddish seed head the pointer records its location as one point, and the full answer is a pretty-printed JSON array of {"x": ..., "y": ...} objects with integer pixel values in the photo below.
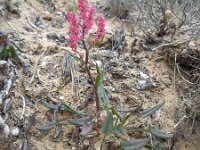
[
  {"x": 86, "y": 15},
  {"x": 79, "y": 26},
  {"x": 73, "y": 30},
  {"x": 100, "y": 28}
]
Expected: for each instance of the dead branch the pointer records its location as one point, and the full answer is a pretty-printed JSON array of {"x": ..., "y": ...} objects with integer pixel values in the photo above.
[{"x": 36, "y": 65}]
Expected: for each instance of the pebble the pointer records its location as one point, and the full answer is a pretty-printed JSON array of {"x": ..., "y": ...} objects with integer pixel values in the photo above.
[
  {"x": 141, "y": 84},
  {"x": 192, "y": 45},
  {"x": 15, "y": 131},
  {"x": 112, "y": 89},
  {"x": 86, "y": 142},
  {"x": 143, "y": 75},
  {"x": 47, "y": 16},
  {"x": 61, "y": 98},
  {"x": 74, "y": 148}
]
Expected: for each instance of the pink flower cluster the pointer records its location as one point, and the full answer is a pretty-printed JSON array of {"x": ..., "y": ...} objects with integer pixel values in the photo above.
[
  {"x": 101, "y": 28},
  {"x": 81, "y": 24},
  {"x": 87, "y": 16},
  {"x": 74, "y": 30}
]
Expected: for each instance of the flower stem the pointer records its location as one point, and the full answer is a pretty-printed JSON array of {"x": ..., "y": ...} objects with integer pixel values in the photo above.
[
  {"x": 104, "y": 137},
  {"x": 91, "y": 79}
]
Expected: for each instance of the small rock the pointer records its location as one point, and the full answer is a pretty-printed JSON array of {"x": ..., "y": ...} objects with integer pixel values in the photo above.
[
  {"x": 184, "y": 52},
  {"x": 74, "y": 148},
  {"x": 112, "y": 89},
  {"x": 192, "y": 45},
  {"x": 12, "y": 8},
  {"x": 15, "y": 131},
  {"x": 61, "y": 98},
  {"x": 141, "y": 85},
  {"x": 143, "y": 75},
  {"x": 86, "y": 143},
  {"x": 198, "y": 44},
  {"x": 47, "y": 16},
  {"x": 28, "y": 29},
  {"x": 169, "y": 14}
]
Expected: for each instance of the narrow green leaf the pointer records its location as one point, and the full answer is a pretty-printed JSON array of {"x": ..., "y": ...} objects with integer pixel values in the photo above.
[
  {"x": 106, "y": 100},
  {"x": 120, "y": 132},
  {"x": 12, "y": 52},
  {"x": 73, "y": 56},
  {"x": 76, "y": 122},
  {"x": 103, "y": 97},
  {"x": 133, "y": 144},
  {"x": 152, "y": 110},
  {"x": 101, "y": 90},
  {"x": 70, "y": 8},
  {"x": 46, "y": 127},
  {"x": 97, "y": 81},
  {"x": 75, "y": 6},
  {"x": 125, "y": 119},
  {"x": 160, "y": 134},
  {"x": 115, "y": 112},
  {"x": 98, "y": 70},
  {"x": 71, "y": 109},
  {"x": 108, "y": 124},
  {"x": 48, "y": 105},
  {"x": 4, "y": 53},
  {"x": 80, "y": 121}
]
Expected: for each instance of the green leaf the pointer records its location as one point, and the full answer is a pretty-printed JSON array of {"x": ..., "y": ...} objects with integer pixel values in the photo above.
[
  {"x": 98, "y": 70},
  {"x": 120, "y": 132},
  {"x": 131, "y": 110},
  {"x": 12, "y": 52},
  {"x": 76, "y": 122},
  {"x": 71, "y": 109},
  {"x": 125, "y": 119},
  {"x": 97, "y": 81},
  {"x": 63, "y": 107},
  {"x": 105, "y": 98},
  {"x": 80, "y": 121},
  {"x": 152, "y": 110},
  {"x": 74, "y": 57},
  {"x": 115, "y": 112},
  {"x": 133, "y": 144},
  {"x": 48, "y": 105},
  {"x": 46, "y": 127},
  {"x": 108, "y": 124},
  {"x": 8, "y": 52},
  {"x": 103, "y": 95},
  {"x": 75, "y": 6},
  {"x": 101, "y": 90},
  {"x": 70, "y": 8},
  {"x": 160, "y": 134}
]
